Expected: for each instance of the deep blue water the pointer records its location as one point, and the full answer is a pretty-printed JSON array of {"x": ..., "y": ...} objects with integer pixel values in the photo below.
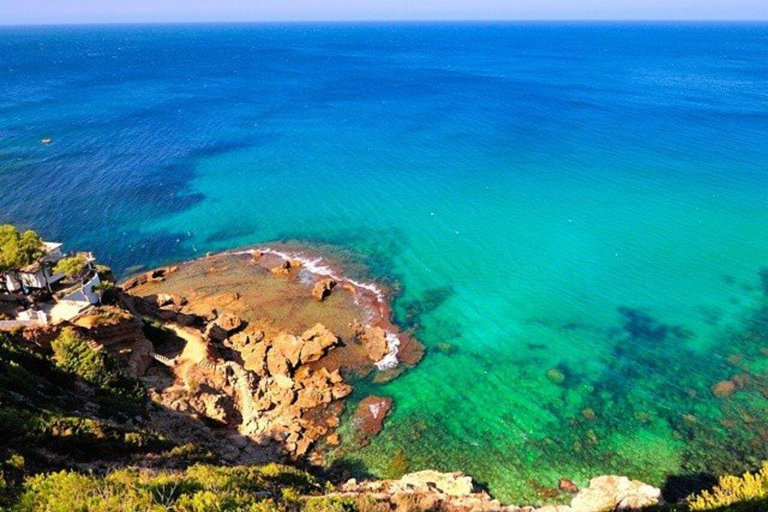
[{"x": 591, "y": 198}]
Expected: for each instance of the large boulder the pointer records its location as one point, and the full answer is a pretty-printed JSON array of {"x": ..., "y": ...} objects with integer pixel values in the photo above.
[
  {"x": 369, "y": 417},
  {"x": 255, "y": 358},
  {"x": 289, "y": 346},
  {"x": 277, "y": 364},
  {"x": 375, "y": 342},
  {"x": 287, "y": 267},
  {"x": 609, "y": 493},
  {"x": 322, "y": 289},
  {"x": 317, "y": 340}
]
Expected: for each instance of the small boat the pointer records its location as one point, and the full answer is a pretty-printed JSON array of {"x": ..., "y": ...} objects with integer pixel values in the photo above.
[{"x": 45, "y": 141}]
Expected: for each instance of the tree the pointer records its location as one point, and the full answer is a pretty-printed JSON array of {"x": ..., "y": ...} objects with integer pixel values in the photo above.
[
  {"x": 17, "y": 250},
  {"x": 71, "y": 266}
]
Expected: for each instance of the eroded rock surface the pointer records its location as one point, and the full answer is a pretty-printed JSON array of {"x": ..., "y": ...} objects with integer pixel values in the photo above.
[
  {"x": 369, "y": 417},
  {"x": 323, "y": 288}
]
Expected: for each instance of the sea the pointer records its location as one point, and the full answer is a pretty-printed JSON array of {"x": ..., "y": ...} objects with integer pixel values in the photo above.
[{"x": 572, "y": 217}]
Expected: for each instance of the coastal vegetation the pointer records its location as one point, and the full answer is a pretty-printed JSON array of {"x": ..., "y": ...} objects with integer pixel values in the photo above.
[
  {"x": 72, "y": 353},
  {"x": 18, "y": 249},
  {"x": 71, "y": 266},
  {"x": 745, "y": 493}
]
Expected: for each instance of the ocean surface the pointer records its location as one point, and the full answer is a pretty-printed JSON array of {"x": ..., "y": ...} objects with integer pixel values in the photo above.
[{"x": 575, "y": 215}]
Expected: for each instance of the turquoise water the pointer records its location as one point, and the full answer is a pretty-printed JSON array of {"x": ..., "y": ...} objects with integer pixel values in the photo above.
[{"x": 574, "y": 214}]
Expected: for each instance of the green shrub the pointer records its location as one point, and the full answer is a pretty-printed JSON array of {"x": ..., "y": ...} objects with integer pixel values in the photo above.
[
  {"x": 73, "y": 354},
  {"x": 71, "y": 266},
  {"x": 201, "y": 488},
  {"x": 737, "y": 493}
]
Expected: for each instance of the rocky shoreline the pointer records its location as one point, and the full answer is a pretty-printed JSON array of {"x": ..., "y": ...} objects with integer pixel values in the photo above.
[
  {"x": 248, "y": 346},
  {"x": 247, "y": 355}
]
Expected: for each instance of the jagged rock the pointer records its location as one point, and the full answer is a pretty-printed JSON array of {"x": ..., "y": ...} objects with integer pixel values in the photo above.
[
  {"x": 255, "y": 358},
  {"x": 277, "y": 364},
  {"x": 289, "y": 346},
  {"x": 426, "y": 490},
  {"x": 215, "y": 333},
  {"x": 230, "y": 323},
  {"x": 369, "y": 417},
  {"x": 322, "y": 289},
  {"x": 141, "y": 357},
  {"x": 375, "y": 341},
  {"x": 317, "y": 340},
  {"x": 286, "y": 267},
  {"x": 283, "y": 381},
  {"x": 163, "y": 299},
  {"x": 341, "y": 390},
  {"x": 609, "y": 493}
]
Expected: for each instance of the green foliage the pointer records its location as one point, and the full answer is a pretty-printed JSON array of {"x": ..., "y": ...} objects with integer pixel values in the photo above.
[
  {"x": 71, "y": 266},
  {"x": 748, "y": 492},
  {"x": 73, "y": 354},
  {"x": 18, "y": 250},
  {"x": 200, "y": 488}
]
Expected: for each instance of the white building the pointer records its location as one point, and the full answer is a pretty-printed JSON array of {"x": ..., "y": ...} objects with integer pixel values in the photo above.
[{"x": 38, "y": 275}]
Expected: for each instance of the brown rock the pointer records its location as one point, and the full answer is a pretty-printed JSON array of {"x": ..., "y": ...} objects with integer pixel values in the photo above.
[
  {"x": 287, "y": 267},
  {"x": 452, "y": 484},
  {"x": 333, "y": 439},
  {"x": 311, "y": 397},
  {"x": 277, "y": 364},
  {"x": 567, "y": 485},
  {"x": 375, "y": 342},
  {"x": 255, "y": 358},
  {"x": 322, "y": 289},
  {"x": 317, "y": 340},
  {"x": 369, "y": 417},
  {"x": 289, "y": 346},
  {"x": 341, "y": 390},
  {"x": 230, "y": 323},
  {"x": 724, "y": 389}
]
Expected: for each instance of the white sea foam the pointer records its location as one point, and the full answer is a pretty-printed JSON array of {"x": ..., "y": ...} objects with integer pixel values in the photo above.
[
  {"x": 390, "y": 360},
  {"x": 318, "y": 268}
]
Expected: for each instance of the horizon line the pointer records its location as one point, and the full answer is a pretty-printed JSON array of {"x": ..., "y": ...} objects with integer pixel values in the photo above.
[{"x": 378, "y": 21}]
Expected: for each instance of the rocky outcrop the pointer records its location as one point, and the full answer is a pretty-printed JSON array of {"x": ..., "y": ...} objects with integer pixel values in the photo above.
[
  {"x": 317, "y": 341},
  {"x": 268, "y": 391},
  {"x": 456, "y": 492},
  {"x": 425, "y": 490},
  {"x": 609, "y": 493},
  {"x": 369, "y": 417},
  {"x": 323, "y": 288},
  {"x": 156, "y": 275},
  {"x": 223, "y": 326},
  {"x": 287, "y": 267},
  {"x": 374, "y": 339}
]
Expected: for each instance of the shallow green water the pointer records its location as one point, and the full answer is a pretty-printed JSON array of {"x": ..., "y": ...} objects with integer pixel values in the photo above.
[{"x": 574, "y": 214}]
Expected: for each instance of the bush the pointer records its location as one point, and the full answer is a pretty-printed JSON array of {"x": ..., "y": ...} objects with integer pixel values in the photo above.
[
  {"x": 71, "y": 266},
  {"x": 201, "y": 488},
  {"x": 73, "y": 354},
  {"x": 745, "y": 493}
]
